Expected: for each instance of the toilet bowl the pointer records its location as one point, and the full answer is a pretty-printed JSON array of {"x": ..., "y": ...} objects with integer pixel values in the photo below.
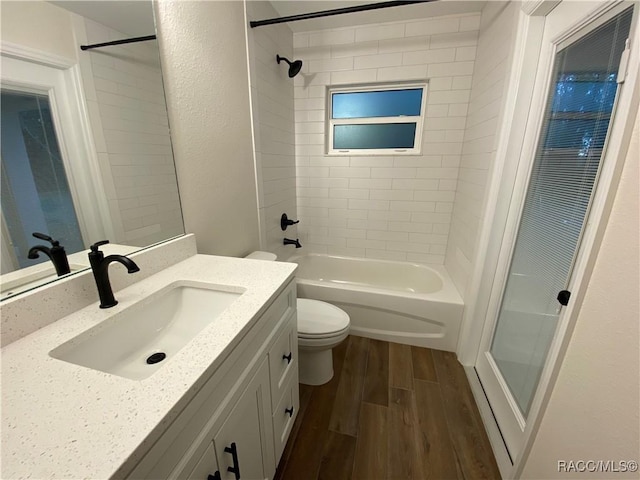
[{"x": 321, "y": 326}]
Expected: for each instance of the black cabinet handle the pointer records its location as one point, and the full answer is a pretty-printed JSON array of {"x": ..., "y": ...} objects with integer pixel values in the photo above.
[
  {"x": 289, "y": 411},
  {"x": 215, "y": 476},
  {"x": 287, "y": 357},
  {"x": 234, "y": 455}
]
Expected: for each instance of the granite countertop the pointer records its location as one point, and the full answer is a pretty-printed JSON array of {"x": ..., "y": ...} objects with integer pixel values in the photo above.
[{"x": 61, "y": 420}]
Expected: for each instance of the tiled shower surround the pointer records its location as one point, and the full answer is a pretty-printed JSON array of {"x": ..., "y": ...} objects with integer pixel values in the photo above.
[
  {"x": 273, "y": 127},
  {"x": 128, "y": 116},
  {"x": 389, "y": 207}
]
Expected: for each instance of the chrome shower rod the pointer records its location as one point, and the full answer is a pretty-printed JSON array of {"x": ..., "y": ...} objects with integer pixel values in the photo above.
[{"x": 336, "y": 11}]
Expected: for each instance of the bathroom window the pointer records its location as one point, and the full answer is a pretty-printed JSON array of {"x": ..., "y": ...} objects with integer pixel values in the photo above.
[{"x": 376, "y": 120}]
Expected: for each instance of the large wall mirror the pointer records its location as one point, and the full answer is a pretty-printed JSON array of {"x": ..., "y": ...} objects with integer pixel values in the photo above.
[{"x": 86, "y": 151}]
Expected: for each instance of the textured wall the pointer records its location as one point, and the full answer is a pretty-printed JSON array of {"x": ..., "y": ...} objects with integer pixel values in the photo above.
[
  {"x": 488, "y": 94},
  {"x": 391, "y": 207},
  {"x": 203, "y": 51},
  {"x": 273, "y": 130}
]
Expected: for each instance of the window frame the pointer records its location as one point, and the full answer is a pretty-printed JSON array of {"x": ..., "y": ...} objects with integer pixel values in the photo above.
[{"x": 383, "y": 87}]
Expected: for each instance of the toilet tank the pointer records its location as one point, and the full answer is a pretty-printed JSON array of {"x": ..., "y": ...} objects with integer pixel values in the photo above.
[{"x": 259, "y": 255}]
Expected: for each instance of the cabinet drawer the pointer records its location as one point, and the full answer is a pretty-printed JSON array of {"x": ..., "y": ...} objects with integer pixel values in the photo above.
[
  {"x": 282, "y": 306},
  {"x": 283, "y": 360},
  {"x": 207, "y": 465},
  {"x": 284, "y": 417}
]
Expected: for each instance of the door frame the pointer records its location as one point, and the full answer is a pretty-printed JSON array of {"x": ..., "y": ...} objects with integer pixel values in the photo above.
[
  {"x": 525, "y": 104},
  {"x": 75, "y": 139}
]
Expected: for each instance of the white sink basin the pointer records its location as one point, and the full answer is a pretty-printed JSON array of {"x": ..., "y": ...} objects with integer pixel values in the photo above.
[{"x": 128, "y": 343}]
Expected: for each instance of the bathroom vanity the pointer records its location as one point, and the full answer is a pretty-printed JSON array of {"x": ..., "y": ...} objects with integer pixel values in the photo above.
[{"x": 223, "y": 404}]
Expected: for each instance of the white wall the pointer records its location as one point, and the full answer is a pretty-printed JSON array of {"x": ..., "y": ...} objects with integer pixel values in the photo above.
[
  {"x": 273, "y": 127},
  {"x": 594, "y": 409},
  {"x": 390, "y": 207},
  {"x": 128, "y": 116},
  {"x": 488, "y": 95},
  {"x": 38, "y": 25},
  {"x": 203, "y": 50}
]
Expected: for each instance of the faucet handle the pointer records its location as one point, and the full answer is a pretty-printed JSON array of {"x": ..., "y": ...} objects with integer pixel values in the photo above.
[
  {"x": 46, "y": 238},
  {"x": 95, "y": 246},
  {"x": 286, "y": 222}
]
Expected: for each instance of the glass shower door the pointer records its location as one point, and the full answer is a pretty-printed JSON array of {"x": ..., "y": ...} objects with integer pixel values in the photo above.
[
  {"x": 564, "y": 173},
  {"x": 581, "y": 97}
]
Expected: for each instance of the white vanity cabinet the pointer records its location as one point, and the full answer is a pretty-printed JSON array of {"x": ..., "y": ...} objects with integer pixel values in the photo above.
[
  {"x": 283, "y": 366},
  {"x": 207, "y": 467},
  {"x": 240, "y": 446},
  {"x": 238, "y": 423}
]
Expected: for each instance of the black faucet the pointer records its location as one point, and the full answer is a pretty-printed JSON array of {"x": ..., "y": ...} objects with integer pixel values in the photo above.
[
  {"x": 288, "y": 241},
  {"x": 286, "y": 222},
  {"x": 100, "y": 266},
  {"x": 56, "y": 253}
]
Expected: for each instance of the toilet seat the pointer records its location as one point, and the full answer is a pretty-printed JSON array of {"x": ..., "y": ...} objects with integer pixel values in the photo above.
[
  {"x": 321, "y": 326},
  {"x": 318, "y": 320}
]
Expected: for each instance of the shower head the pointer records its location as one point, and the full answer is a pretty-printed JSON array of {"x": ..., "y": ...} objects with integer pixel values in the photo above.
[{"x": 294, "y": 67}]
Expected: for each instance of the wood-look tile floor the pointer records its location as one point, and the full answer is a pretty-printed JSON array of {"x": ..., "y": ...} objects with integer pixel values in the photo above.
[{"x": 391, "y": 411}]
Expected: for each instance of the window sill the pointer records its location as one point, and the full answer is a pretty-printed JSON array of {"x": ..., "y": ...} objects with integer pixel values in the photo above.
[{"x": 373, "y": 153}]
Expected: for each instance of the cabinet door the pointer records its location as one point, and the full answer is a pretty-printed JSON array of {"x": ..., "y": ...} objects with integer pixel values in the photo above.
[
  {"x": 244, "y": 443},
  {"x": 207, "y": 467}
]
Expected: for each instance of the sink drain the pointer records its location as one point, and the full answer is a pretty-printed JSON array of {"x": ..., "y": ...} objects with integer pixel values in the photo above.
[{"x": 156, "y": 358}]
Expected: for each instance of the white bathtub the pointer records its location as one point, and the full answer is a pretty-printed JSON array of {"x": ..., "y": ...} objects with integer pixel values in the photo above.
[{"x": 393, "y": 301}]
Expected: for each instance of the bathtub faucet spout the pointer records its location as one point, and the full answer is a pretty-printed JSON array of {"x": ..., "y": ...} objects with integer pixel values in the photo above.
[{"x": 288, "y": 241}]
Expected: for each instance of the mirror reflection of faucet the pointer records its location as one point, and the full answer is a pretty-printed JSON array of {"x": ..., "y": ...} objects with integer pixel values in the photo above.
[
  {"x": 56, "y": 253},
  {"x": 288, "y": 241},
  {"x": 100, "y": 267}
]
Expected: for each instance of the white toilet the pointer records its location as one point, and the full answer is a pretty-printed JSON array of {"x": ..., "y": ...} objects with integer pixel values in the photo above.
[{"x": 321, "y": 326}]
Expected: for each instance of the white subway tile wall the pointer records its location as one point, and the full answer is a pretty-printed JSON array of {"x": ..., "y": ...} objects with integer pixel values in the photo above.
[
  {"x": 386, "y": 207},
  {"x": 128, "y": 116},
  {"x": 488, "y": 93},
  {"x": 272, "y": 97}
]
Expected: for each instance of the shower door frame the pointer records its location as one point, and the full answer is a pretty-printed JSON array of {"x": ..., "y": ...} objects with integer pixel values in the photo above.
[
  {"x": 64, "y": 87},
  {"x": 503, "y": 224}
]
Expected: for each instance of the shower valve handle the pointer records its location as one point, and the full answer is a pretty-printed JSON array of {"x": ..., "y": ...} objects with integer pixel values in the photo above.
[{"x": 286, "y": 222}]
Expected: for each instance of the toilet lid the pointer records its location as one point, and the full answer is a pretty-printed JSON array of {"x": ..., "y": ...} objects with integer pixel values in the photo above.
[{"x": 316, "y": 318}]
